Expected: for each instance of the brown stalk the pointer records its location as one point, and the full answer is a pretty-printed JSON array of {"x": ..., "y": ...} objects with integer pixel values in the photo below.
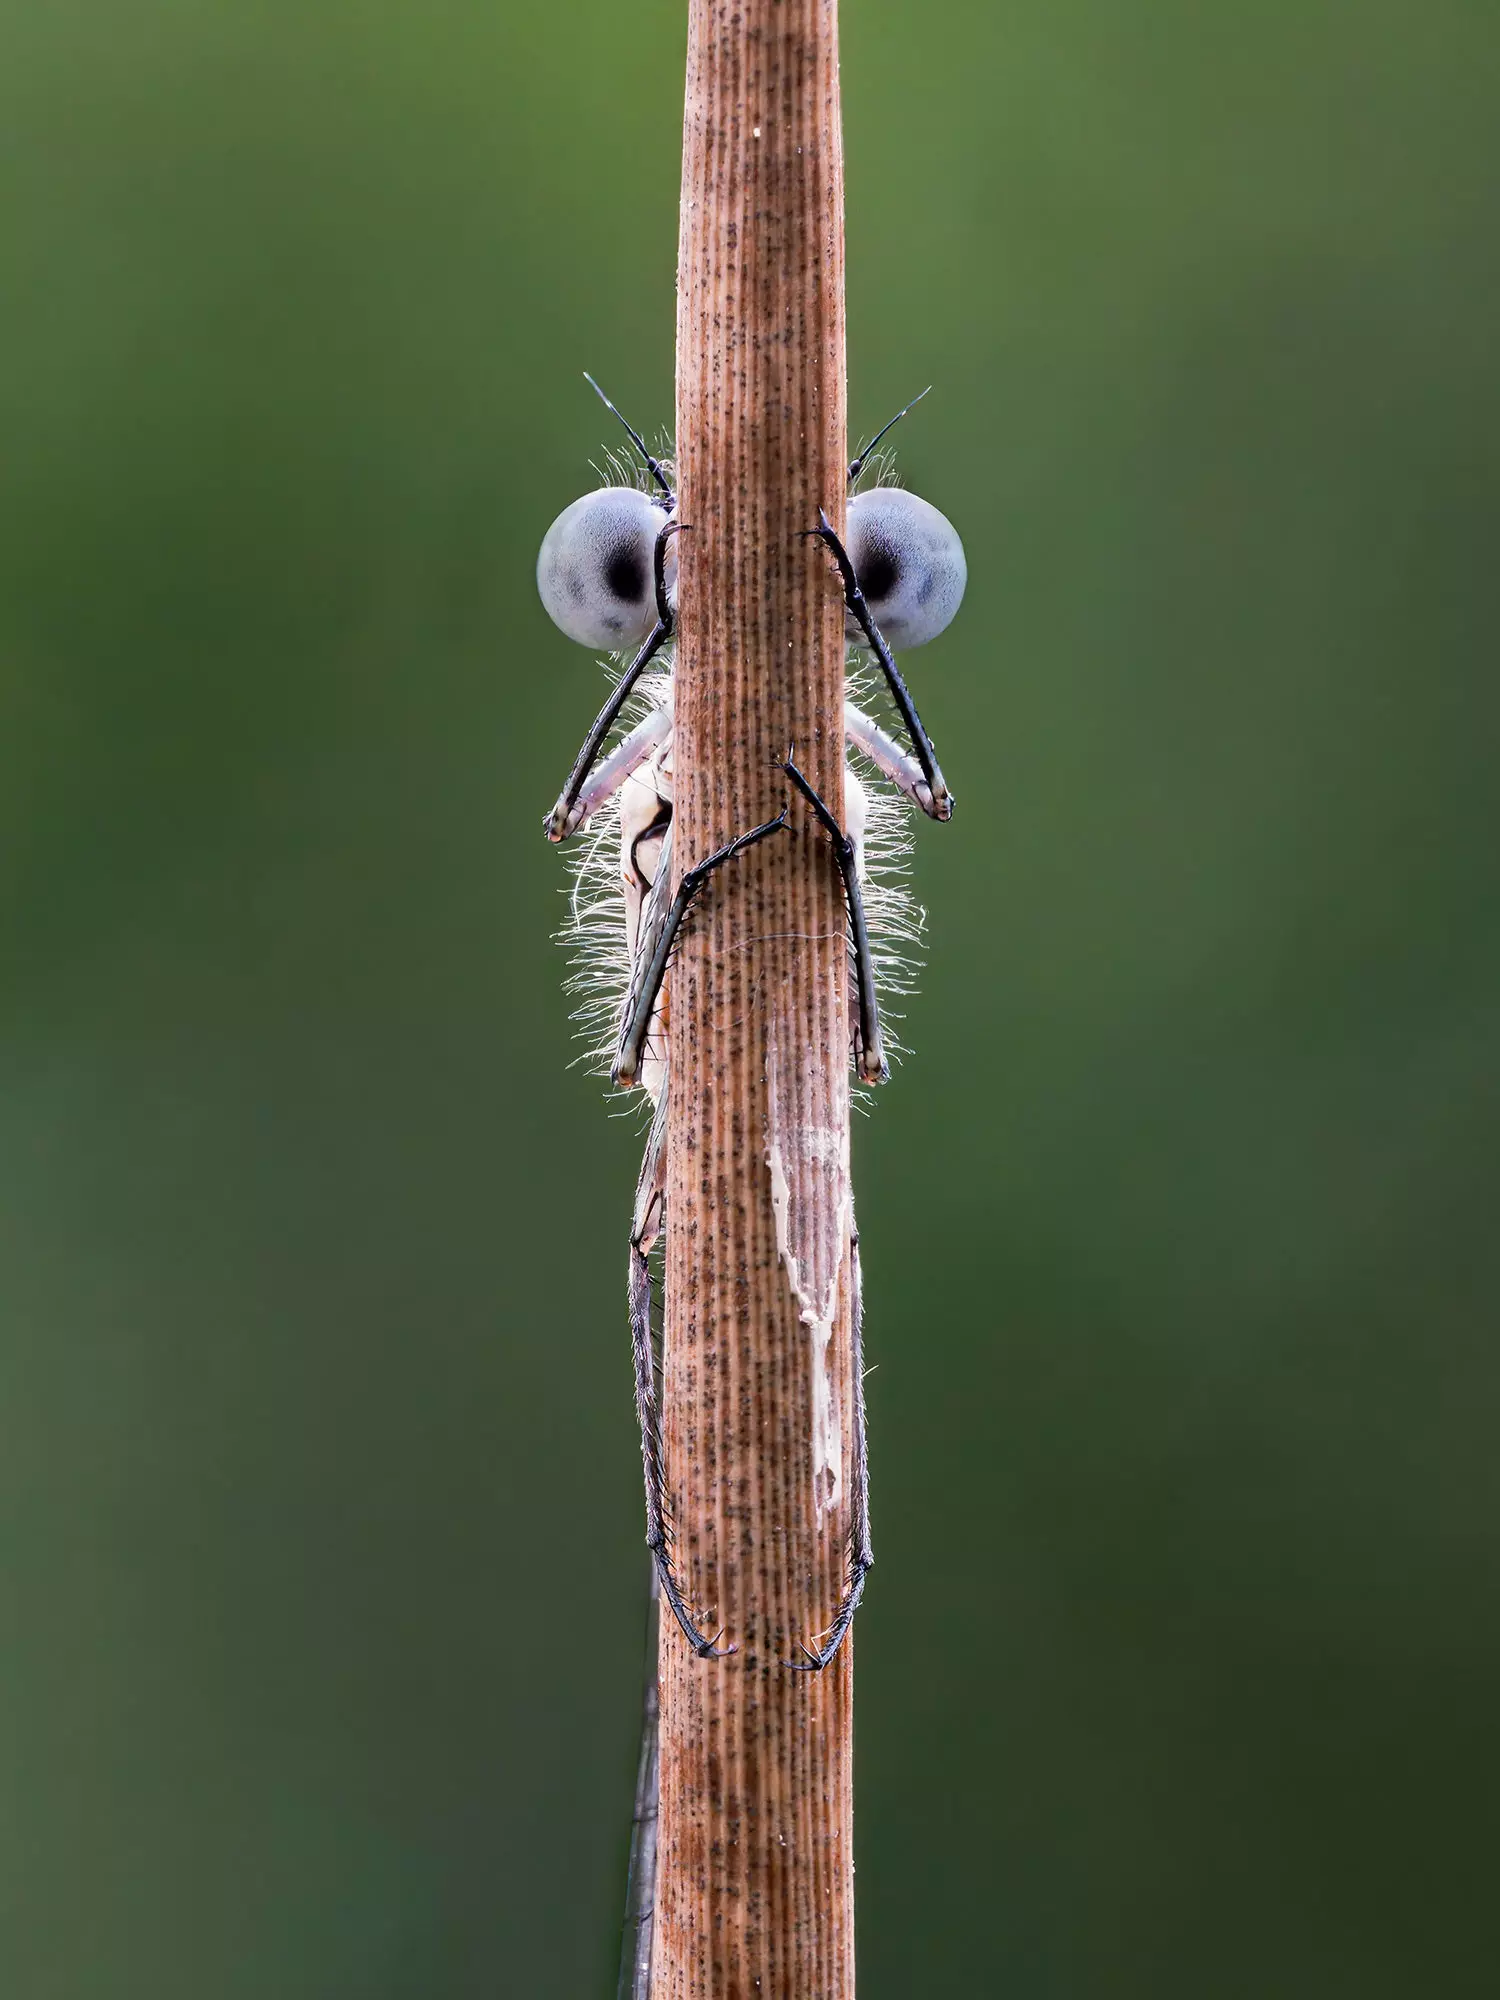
[{"x": 755, "y": 1856}]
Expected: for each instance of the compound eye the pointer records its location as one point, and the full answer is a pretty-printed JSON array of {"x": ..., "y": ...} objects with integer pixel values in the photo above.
[
  {"x": 910, "y": 564},
  {"x": 595, "y": 571}
]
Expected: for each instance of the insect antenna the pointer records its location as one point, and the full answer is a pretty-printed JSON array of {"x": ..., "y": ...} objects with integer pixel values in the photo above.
[
  {"x": 653, "y": 465},
  {"x": 857, "y": 466}
]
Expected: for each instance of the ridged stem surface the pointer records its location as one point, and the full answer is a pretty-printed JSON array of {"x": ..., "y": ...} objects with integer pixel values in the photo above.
[{"x": 755, "y": 1891}]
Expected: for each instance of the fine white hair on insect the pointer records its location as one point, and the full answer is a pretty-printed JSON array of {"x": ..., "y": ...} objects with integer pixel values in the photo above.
[
  {"x": 593, "y": 934},
  {"x": 620, "y": 469},
  {"x": 607, "y": 574},
  {"x": 879, "y": 469}
]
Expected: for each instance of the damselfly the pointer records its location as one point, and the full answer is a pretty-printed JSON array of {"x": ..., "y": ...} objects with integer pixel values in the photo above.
[{"x": 607, "y": 575}]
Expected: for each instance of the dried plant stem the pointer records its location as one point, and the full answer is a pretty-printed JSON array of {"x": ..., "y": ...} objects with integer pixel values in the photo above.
[{"x": 755, "y": 1855}]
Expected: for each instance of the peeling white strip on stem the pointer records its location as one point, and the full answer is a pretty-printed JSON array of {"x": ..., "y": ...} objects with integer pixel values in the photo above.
[{"x": 811, "y": 1202}]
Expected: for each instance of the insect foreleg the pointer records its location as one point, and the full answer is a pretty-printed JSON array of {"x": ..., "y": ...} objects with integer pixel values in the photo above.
[
  {"x": 887, "y": 755},
  {"x": 869, "y": 1053},
  {"x": 939, "y": 803},
  {"x": 861, "y": 1549},
  {"x": 622, "y": 762},
  {"x": 646, "y": 992},
  {"x": 564, "y": 817}
]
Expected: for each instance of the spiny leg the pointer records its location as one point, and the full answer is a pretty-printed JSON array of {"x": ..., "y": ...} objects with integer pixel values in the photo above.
[
  {"x": 861, "y": 1549},
  {"x": 650, "y": 1205},
  {"x": 638, "y": 1928},
  {"x": 869, "y": 1054},
  {"x": 645, "y": 994},
  {"x": 646, "y": 879},
  {"x": 939, "y": 804},
  {"x": 565, "y": 817}
]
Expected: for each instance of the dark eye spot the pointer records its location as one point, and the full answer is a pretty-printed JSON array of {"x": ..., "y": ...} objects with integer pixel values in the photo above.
[
  {"x": 878, "y": 578},
  {"x": 625, "y": 574}
]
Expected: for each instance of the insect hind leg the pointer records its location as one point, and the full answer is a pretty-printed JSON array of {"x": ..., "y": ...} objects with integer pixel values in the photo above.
[{"x": 650, "y": 1208}]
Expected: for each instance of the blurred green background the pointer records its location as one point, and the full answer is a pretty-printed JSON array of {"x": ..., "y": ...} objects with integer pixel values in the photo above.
[{"x": 319, "y": 1486}]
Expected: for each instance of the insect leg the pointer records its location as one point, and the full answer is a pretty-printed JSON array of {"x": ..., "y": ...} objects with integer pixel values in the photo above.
[
  {"x": 650, "y": 1205},
  {"x": 939, "y": 804},
  {"x": 640, "y": 1882},
  {"x": 621, "y": 763},
  {"x": 861, "y": 1549},
  {"x": 645, "y": 993},
  {"x": 564, "y": 817},
  {"x": 886, "y": 753},
  {"x": 869, "y": 1054}
]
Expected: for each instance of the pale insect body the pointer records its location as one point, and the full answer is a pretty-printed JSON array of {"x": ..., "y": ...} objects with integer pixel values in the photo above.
[
  {"x": 607, "y": 577},
  {"x": 904, "y": 571},
  {"x": 618, "y": 862}
]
